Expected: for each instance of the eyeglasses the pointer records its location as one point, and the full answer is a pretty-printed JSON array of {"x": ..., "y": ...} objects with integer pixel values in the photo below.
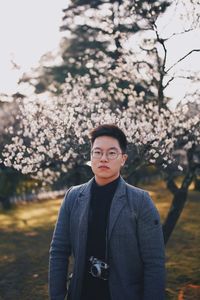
[{"x": 110, "y": 154}]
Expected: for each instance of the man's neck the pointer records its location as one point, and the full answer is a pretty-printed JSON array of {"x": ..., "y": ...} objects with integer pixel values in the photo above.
[{"x": 104, "y": 181}]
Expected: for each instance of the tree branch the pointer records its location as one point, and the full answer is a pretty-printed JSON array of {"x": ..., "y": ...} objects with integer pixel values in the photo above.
[
  {"x": 182, "y": 58},
  {"x": 170, "y": 80},
  {"x": 179, "y": 33},
  {"x": 162, "y": 42},
  {"x": 171, "y": 185}
]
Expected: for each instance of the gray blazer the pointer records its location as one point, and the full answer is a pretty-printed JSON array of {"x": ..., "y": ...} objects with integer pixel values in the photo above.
[{"x": 135, "y": 241}]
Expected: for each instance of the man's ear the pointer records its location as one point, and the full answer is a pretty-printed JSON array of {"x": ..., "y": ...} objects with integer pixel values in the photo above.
[{"x": 125, "y": 157}]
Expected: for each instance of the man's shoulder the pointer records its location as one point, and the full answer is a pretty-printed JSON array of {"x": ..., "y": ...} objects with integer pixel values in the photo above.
[
  {"x": 76, "y": 190},
  {"x": 72, "y": 195},
  {"x": 140, "y": 198},
  {"x": 136, "y": 190}
]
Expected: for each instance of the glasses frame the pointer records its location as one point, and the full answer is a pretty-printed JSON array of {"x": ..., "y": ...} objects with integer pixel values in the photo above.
[{"x": 106, "y": 152}]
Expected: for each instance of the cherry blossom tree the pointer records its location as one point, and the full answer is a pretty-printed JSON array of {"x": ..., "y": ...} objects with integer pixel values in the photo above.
[
  {"x": 122, "y": 85},
  {"x": 9, "y": 176},
  {"x": 93, "y": 29},
  {"x": 98, "y": 29},
  {"x": 53, "y": 134}
]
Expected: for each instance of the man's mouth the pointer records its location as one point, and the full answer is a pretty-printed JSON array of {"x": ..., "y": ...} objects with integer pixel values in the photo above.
[{"x": 104, "y": 167}]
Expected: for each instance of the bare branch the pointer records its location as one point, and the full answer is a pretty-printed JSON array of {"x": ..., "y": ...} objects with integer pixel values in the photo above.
[
  {"x": 193, "y": 78},
  {"x": 182, "y": 58},
  {"x": 162, "y": 42},
  {"x": 170, "y": 80},
  {"x": 179, "y": 33},
  {"x": 143, "y": 62}
]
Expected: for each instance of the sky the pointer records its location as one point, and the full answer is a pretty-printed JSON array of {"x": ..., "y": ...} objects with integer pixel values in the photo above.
[{"x": 29, "y": 29}]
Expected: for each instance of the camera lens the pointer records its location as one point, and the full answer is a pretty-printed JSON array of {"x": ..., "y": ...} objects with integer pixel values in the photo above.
[{"x": 96, "y": 270}]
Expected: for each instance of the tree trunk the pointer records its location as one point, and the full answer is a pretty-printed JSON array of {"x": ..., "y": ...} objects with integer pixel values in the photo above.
[
  {"x": 197, "y": 184},
  {"x": 5, "y": 201},
  {"x": 176, "y": 208},
  {"x": 180, "y": 196}
]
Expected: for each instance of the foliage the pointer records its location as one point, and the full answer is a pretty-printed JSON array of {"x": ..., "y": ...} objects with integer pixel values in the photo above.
[
  {"x": 110, "y": 81},
  {"x": 53, "y": 135},
  {"x": 117, "y": 56},
  {"x": 98, "y": 29},
  {"x": 9, "y": 176}
]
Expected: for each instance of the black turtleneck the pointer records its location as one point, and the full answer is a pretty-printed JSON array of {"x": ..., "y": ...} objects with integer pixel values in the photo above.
[{"x": 101, "y": 198}]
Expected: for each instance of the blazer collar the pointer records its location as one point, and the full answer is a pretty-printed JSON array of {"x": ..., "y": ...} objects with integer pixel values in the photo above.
[
  {"x": 118, "y": 202},
  {"x": 86, "y": 189}
]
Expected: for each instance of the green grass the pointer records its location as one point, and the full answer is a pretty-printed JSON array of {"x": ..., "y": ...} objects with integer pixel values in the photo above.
[{"x": 25, "y": 235}]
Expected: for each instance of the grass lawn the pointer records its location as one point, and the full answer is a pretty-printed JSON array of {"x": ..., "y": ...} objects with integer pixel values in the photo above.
[{"x": 25, "y": 235}]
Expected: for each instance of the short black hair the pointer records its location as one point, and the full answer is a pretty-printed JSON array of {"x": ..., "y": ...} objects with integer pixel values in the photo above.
[{"x": 112, "y": 131}]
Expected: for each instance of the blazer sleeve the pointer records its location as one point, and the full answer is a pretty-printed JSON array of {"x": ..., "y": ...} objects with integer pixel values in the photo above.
[
  {"x": 152, "y": 249},
  {"x": 60, "y": 251}
]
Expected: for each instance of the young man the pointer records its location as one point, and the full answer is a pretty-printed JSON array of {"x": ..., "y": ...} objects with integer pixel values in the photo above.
[{"x": 111, "y": 229}]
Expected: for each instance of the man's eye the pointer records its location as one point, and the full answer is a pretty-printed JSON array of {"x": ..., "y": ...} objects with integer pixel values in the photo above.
[
  {"x": 97, "y": 152},
  {"x": 112, "y": 153}
]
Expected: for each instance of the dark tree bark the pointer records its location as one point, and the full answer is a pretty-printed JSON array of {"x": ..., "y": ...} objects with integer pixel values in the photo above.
[
  {"x": 196, "y": 184},
  {"x": 179, "y": 196},
  {"x": 177, "y": 205},
  {"x": 5, "y": 201}
]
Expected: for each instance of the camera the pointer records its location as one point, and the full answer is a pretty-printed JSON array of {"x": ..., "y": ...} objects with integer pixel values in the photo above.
[{"x": 98, "y": 268}]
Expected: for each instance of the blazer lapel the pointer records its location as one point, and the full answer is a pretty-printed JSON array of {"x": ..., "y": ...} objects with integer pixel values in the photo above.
[
  {"x": 82, "y": 218},
  {"x": 118, "y": 202},
  {"x": 83, "y": 203}
]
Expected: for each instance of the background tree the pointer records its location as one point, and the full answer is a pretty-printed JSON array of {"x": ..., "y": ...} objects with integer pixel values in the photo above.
[
  {"x": 98, "y": 29},
  {"x": 50, "y": 133},
  {"x": 9, "y": 177},
  {"x": 105, "y": 89},
  {"x": 12, "y": 181}
]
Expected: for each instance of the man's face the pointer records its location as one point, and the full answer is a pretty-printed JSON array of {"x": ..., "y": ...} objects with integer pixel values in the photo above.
[{"x": 106, "y": 159}]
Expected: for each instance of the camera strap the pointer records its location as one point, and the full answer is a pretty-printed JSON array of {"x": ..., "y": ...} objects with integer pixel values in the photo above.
[{"x": 107, "y": 248}]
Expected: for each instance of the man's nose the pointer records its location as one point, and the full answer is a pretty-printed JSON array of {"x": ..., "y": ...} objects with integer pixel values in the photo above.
[{"x": 104, "y": 156}]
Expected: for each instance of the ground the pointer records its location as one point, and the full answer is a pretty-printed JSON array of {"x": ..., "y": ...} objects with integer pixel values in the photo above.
[{"x": 25, "y": 235}]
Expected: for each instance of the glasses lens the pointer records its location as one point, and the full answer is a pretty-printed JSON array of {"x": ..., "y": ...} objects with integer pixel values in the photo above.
[
  {"x": 97, "y": 154},
  {"x": 111, "y": 154}
]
